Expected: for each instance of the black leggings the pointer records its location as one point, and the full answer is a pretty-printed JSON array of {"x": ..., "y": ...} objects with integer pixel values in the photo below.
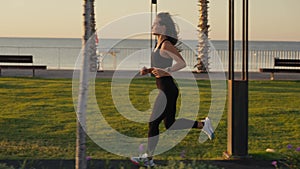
[{"x": 165, "y": 110}]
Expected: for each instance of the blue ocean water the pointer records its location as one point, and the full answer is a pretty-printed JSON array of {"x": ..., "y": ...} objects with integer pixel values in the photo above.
[{"x": 62, "y": 53}]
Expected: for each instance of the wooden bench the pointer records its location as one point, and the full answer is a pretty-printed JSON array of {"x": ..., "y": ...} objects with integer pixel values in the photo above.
[
  {"x": 19, "y": 59},
  {"x": 279, "y": 63}
]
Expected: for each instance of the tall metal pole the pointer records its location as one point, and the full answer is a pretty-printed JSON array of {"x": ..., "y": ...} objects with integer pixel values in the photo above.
[
  {"x": 245, "y": 39},
  {"x": 231, "y": 98},
  {"x": 237, "y": 138},
  {"x": 231, "y": 41},
  {"x": 153, "y": 3},
  {"x": 151, "y": 18}
]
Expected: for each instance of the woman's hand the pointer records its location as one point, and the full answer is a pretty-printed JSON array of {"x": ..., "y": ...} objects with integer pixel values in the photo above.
[
  {"x": 145, "y": 70},
  {"x": 157, "y": 72}
]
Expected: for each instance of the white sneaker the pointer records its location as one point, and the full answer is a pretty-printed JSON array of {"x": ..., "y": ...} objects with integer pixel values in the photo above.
[
  {"x": 143, "y": 160},
  {"x": 207, "y": 129}
]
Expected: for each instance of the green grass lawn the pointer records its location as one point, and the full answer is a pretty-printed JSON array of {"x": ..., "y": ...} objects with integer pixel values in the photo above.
[{"x": 38, "y": 121}]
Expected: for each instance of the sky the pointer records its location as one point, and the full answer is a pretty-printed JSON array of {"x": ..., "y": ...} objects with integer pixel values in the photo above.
[{"x": 269, "y": 20}]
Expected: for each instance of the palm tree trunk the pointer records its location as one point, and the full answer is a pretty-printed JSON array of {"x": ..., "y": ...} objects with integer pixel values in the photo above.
[
  {"x": 88, "y": 65},
  {"x": 203, "y": 46}
]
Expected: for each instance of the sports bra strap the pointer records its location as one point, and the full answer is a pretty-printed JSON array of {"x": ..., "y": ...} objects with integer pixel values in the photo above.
[{"x": 162, "y": 43}]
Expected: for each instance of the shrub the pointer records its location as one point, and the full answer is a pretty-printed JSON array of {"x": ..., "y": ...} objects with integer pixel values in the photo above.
[{"x": 290, "y": 159}]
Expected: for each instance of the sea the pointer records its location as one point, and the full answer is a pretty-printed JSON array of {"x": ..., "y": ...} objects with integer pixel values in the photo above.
[{"x": 63, "y": 53}]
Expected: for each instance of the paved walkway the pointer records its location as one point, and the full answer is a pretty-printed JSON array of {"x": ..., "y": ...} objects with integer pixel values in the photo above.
[
  {"x": 108, "y": 74},
  {"x": 127, "y": 164}
]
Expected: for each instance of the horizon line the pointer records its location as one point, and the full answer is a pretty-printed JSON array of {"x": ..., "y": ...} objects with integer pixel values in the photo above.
[{"x": 45, "y": 37}]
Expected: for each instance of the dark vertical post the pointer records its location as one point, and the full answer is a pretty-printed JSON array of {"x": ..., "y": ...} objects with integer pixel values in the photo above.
[
  {"x": 245, "y": 100},
  {"x": 237, "y": 138}
]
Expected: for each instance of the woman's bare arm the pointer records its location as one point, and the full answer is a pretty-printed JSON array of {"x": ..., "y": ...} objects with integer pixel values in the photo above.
[{"x": 169, "y": 51}]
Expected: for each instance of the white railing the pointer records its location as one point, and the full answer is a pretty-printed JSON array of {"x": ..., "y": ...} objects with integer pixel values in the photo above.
[
  {"x": 65, "y": 57},
  {"x": 53, "y": 57},
  {"x": 257, "y": 58}
]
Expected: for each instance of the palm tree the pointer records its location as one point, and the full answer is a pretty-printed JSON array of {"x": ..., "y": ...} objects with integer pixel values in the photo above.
[
  {"x": 203, "y": 46},
  {"x": 89, "y": 64}
]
